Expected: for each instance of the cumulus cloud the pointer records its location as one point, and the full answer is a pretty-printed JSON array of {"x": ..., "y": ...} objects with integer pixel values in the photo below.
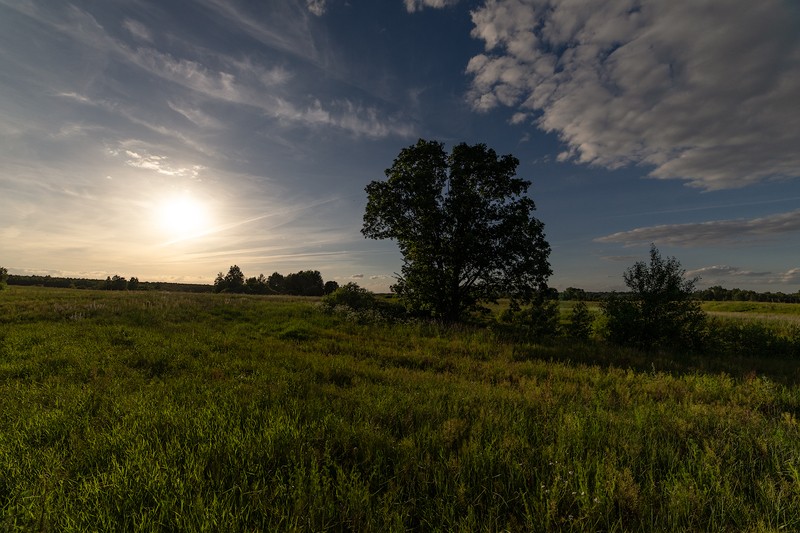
[
  {"x": 710, "y": 233},
  {"x": 701, "y": 91},
  {"x": 419, "y": 5}
]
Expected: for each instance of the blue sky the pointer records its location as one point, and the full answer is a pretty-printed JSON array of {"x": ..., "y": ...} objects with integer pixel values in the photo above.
[{"x": 170, "y": 140}]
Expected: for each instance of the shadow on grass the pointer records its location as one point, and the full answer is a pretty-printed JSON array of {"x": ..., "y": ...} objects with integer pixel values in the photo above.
[{"x": 598, "y": 353}]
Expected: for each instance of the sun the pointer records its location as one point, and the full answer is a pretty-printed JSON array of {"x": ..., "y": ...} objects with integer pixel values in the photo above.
[{"x": 182, "y": 217}]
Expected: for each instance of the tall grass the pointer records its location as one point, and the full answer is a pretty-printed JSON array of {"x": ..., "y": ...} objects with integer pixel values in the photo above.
[{"x": 164, "y": 412}]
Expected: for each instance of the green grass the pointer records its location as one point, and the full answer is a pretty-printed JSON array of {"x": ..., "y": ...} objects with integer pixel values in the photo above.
[{"x": 206, "y": 412}]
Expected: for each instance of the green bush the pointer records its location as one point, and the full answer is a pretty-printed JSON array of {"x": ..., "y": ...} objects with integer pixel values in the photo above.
[
  {"x": 538, "y": 320},
  {"x": 741, "y": 338},
  {"x": 580, "y": 324},
  {"x": 352, "y": 296}
]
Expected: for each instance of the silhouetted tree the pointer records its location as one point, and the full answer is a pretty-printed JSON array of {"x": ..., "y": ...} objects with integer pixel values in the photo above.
[
  {"x": 257, "y": 285},
  {"x": 277, "y": 283},
  {"x": 118, "y": 283},
  {"x": 464, "y": 225},
  {"x": 660, "y": 311},
  {"x": 219, "y": 282},
  {"x": 3, "y": 277},
  {"x": 305, "y": 283},
  {"x": 330, "y": 286},
  {"x": 234, "y": 279},
  {"x": 133, "y": 283}
]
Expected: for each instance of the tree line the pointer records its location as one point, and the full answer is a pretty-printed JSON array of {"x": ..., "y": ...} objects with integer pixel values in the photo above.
[
  {"x": 115, "y": 282},
  {"x": 302, "y": 283},
  {"x": 716, "y": 293}
]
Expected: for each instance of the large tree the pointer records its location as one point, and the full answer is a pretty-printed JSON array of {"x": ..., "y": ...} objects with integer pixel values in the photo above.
[{"x": 464, "y": 225}]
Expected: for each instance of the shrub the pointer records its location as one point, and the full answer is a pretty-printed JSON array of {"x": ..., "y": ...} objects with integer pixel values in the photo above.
[
  {"x": 350, "y": 295},
  {"x": 540, "y": 319},
  {"x": 580, "y": 323}
]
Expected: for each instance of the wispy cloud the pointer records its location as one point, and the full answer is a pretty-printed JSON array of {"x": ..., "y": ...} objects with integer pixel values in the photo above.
[
  {"x": 717, "y": 271},
  {"x": 735, "y": 276},
  {"x": 624, "y": 82},
  {"x": 419, "y": 5},
  {"x": 710, "y": 233},
  {"x": 138, "y": 30}
]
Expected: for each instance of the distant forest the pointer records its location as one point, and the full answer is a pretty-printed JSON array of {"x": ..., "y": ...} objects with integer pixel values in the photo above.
[
  {"x": 308, "y": 282},
  {"x": 303, "y": 283},
  {"x": 711, "y": 294}
]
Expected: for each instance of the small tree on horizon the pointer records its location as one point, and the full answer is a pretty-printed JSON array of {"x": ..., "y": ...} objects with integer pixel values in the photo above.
[
  {"x": 661, "y": 309},
  {"x": 3, "y": 277}
]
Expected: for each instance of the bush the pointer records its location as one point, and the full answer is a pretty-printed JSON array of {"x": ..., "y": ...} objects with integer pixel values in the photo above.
[
  {"x": 580, "y": 323},
  {"x": 350, "y": 295},
  {"x": 740, "y": 338},
  {"x": 3, "y": 278},
  {"x": 540, "y": 319}
]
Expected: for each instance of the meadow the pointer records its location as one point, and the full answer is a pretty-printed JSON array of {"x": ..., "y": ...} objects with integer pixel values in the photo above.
[{"x": 150, "y": 411}]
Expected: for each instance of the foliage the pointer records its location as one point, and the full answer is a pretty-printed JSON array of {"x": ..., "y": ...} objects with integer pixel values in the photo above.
[
  {"x": 330, "y": 286},
  {"x": 580, "y": 322},
  {"x": 464, "y": 226},
  {"x": 256, "y": 285},
  {"x": 351, "y": 295},
  {"x": 743, "y": 337},
  {"x": 721, "y": 294},
  {"x": 660, "y": 310},
  {"x": 233, "y": 281},
  {"x": 133, "y": 283},
  {"x": 574, "y": 294},
  {"x": 143, "y": 411},
  {"x": 303, "y": 283},
  {"x": 3, "y": 277},
  {"x": 538, "y": 320}
]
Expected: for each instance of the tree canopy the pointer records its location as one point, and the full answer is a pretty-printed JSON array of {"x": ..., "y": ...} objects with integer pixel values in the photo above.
[{"x": 464, "y": 225}]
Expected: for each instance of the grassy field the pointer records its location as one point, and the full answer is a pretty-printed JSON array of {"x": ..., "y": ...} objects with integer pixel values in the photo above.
[{"x": 176, "y": 412}]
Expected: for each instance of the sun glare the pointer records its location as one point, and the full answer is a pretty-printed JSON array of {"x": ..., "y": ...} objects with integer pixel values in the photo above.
[{"x": 182, "y": 217}]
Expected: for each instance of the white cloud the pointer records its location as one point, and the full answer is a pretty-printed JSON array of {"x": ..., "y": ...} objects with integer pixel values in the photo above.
[
  {"x": 730, "y": 275},
  {"x": 710, "y": 233},
  {"x": 419, "y": 5},
  {"x": 317, "y": 7},
  {"x": 791, "y": 276},
  {"x": 156, "y": 163},
  {"x": 702, "y": 91}
]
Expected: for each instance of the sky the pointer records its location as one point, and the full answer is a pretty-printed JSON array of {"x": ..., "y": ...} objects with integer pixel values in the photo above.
[{"x": 171, "y": 140}]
